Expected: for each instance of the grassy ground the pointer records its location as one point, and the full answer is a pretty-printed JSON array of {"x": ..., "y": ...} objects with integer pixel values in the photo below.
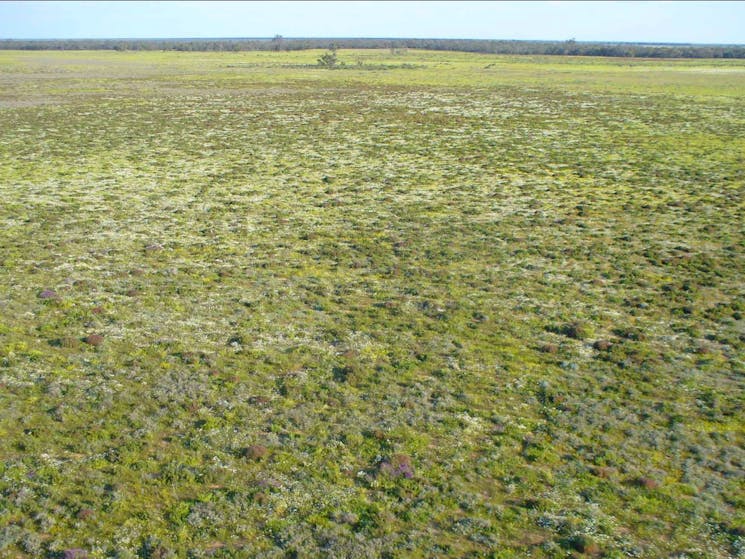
[{"x": 427, "y": 304}]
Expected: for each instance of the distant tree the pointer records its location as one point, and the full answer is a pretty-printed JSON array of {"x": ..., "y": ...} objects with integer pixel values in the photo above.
[
  {"x": 329, "y": 58},
  {"x": 277, "y": 42}
]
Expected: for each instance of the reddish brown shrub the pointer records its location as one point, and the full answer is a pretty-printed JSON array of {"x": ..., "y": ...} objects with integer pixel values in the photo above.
[{"x": 94, "y": 339}]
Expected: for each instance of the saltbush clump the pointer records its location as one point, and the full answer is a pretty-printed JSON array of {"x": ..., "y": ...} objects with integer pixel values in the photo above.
[
  {"x": 578, "y": 330},
  {"x": 398, "y": 465},
  {"x": 94, "y": 339},
  {"x": 255, "y": 452}
]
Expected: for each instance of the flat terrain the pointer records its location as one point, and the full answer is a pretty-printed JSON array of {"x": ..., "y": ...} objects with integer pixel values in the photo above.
[{"x": 422, "y": 305}]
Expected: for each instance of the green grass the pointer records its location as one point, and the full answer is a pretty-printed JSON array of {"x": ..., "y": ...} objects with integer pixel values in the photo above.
[{"x": 441, "y": 304}]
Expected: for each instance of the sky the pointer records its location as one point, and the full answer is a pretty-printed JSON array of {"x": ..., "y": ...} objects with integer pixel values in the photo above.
[{"x": 647, "y": 21}]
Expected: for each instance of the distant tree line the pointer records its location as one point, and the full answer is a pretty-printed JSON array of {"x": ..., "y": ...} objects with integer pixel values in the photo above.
[{"x": 571, "y": 47}]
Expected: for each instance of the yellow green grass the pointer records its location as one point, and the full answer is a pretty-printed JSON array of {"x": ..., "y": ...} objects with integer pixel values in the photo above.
[{"x": 423, "y": 304}]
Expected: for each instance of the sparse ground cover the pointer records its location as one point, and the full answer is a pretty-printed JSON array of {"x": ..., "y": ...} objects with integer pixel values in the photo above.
[{"x": 426, "y": 304}]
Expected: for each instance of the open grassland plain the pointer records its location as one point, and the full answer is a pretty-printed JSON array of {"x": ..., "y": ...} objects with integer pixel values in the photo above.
[{"x": 422, "y": 305}]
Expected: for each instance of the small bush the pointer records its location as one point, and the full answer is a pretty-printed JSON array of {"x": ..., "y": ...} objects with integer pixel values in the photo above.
[
  {"x": 577, "y": 330},
  {"x": 645, "y": 482},
  {"x": 549, "y": 348},
  {"x": 399, "y": 465},
  {"x": 584, "y": 544},
  {"x": 255, "y": 452},
  {"x": 328, "y": 59},
  {"x": 94, "y": 339},
  {"x": 630, "y": 333},
  {"x": 602, "y": 345}
]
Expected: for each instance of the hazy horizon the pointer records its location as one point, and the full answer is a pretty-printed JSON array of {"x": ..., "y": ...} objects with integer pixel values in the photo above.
[{"x": 372, "y": 38}]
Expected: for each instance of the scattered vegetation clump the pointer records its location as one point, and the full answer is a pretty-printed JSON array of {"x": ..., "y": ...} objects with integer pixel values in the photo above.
[
  {"x": 605, "y": 472},
  {"x": 577, "y": 330},
  {"x": 602, "y": 345},
  {"x": 329, "y": 59},
  {"x": 585, "y": 544},
  {"x": 549, "y": 348},
  {"x": 94, "y": 339},
  {"x": 439, "y": 304},
  {"x": 646, "y": 483},
  {"x": 630, "y": 333},
  {"x": 255, "y": 452},
  {"x": 67, "y": 341},
  {"x": 398, "y": 465}
]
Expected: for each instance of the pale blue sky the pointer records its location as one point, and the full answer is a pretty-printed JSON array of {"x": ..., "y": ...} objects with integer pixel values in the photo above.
[{"x": 670, "y": 21}]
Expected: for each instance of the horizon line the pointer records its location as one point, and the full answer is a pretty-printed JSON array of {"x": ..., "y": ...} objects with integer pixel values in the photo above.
[{"x": 651, "y": 43}]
